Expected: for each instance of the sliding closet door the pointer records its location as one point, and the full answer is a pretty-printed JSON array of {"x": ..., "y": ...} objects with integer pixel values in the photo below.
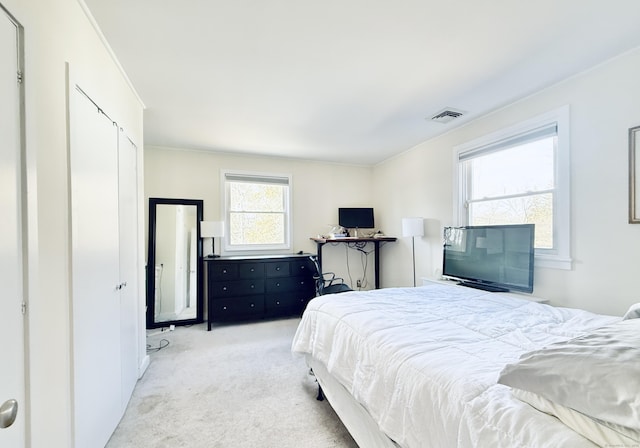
[
  {"x": 12, "y": 377},
  {"x": 128, "y": 217},
  {"x": 96, "y": 284}
]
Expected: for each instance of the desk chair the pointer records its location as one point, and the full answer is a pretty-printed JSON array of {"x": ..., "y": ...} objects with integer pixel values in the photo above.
[{"x": 327, "y": 282}]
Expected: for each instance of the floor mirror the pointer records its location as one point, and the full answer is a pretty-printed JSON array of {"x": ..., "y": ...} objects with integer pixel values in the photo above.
[{"x": 174, "y": 263}]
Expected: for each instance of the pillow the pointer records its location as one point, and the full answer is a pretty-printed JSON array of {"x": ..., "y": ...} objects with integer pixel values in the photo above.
[
  {"x": 600, "y": 433},
  {"x": 633, "y": 312},
  {"x": 597, "y": 375}
]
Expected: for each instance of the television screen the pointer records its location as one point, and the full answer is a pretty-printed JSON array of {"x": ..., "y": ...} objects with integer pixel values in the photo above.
[
  {"x": 496, "y": 258},
  {"x": 356, "y": 218}
]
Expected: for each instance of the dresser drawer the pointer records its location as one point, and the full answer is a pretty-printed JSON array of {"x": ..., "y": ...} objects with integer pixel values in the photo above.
[
  {"x": 236, "y": 287},
  {"x": 280, "y": 303},
  {"x": 302, "y": 267},
  {"x": 251, "y": 270},
  {"x": 232, "y": 308},
  {"x": 278, "y": 269},
  {"x": 223, "y": 271},
  {"x": 289, "y": 284},
  {"x": 286, "y": 303}
]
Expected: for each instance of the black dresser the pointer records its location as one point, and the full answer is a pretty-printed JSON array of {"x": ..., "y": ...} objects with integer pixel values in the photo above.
[{"x": 256, "y": 287}]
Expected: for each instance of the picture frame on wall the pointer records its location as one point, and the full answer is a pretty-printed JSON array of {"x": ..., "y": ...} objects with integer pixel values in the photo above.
[{"x": 634, "y": 175}]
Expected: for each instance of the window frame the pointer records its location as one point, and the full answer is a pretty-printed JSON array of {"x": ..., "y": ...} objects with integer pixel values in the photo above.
[
  {"x": 253, "y": 248},
  {"x": 560, "y": 256}
]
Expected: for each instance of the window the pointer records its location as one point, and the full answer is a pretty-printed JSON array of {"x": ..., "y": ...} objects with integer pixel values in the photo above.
[
  {"x": 520, "y": 176},
  {"x": 257, "y": 211}
]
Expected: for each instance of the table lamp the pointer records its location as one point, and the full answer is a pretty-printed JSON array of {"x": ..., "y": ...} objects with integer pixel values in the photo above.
[{"x": 212, "y": 229}]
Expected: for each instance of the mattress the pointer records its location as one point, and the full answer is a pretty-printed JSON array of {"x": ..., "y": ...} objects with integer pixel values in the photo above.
[{"x": 424, "y": 362}]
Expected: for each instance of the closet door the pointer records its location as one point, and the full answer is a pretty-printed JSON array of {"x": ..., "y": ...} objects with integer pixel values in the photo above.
[
  {"x": 95, "y": 303},
  {"x": 12, "y": 377},
  {"x": 128, "y": 241}
]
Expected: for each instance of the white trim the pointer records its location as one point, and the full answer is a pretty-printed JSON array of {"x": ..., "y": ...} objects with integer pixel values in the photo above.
[
  {"x": 553, "y": 262},
  {"x": 548, "y": 129},
  {"x": 142, "y": 368},
  {"x": 560, "y": 256}
]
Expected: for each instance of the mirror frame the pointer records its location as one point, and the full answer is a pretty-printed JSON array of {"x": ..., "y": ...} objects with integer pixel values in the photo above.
[
  {"x": 634, "y": 175},
  {"x": 151, "y": 262}
]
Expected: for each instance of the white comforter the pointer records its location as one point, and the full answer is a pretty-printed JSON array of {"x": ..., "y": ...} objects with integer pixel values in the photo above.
[{"x": 424, "y": 361}]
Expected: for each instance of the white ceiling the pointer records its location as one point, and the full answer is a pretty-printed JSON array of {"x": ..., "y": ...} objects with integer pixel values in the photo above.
[{"x": 346, "y": 80}]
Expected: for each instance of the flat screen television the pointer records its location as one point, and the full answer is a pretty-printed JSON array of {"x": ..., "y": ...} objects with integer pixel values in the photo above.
[
  {"x": 356, "y": 218},
  {"x": 494, "y": 258}
]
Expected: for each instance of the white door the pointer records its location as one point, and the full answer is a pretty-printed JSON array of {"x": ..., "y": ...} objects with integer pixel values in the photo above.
[
  {"x": 11, "y": 318},
  {"x": 128, "y": 215},
  {"x": 95, "y": 275}
]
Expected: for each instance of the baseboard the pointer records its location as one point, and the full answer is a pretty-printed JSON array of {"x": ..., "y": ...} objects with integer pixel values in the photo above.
[{"x": 143, "y": 366}]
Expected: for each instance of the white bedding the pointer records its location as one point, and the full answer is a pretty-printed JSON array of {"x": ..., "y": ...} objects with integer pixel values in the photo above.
[{"x": 424, "y": 361}]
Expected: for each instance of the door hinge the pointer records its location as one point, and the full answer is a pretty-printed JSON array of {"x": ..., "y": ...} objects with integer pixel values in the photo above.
[
  {"x": 23, "y": 307},
  {"x": 20, "y": 77}
]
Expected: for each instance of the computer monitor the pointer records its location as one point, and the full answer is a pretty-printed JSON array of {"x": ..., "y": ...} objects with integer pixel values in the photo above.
[{"x": 356, "y": 218}]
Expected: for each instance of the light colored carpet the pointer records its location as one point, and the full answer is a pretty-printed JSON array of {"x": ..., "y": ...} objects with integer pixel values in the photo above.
[{"x": 234, "y": 387}]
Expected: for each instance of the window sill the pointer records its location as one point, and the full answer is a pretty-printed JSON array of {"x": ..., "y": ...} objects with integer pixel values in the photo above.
[{"x": 553, "y": 262}]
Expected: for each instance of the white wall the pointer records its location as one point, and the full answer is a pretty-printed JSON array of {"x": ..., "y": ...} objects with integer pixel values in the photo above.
[
  {"x": 319, "y": 189},
  {"x": 604, "y": 105},
  {"x": 57, "y": 32}
]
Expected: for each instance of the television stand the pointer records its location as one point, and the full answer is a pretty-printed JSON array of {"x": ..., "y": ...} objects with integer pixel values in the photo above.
[{"x": 483, "y": 286}]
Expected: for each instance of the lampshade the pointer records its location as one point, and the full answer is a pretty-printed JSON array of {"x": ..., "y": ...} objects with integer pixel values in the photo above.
[
  {"x": 210, "y": 229},
  {"x": 412, "y": 226}
]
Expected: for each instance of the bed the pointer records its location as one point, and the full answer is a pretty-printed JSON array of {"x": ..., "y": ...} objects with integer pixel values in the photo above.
[{"x": 450, "y": 366}]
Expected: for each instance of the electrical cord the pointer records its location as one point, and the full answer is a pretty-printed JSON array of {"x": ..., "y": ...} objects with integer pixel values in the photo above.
[
  {"x": 161, "y": 344},
  {"x": 364, "y": 259},
  {"x": 364, "y": 254},
  {"x": 346, "y": 252}
]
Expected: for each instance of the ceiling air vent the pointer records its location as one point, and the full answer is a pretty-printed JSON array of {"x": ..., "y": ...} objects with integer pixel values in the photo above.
[{"x": 446, "y": 115}]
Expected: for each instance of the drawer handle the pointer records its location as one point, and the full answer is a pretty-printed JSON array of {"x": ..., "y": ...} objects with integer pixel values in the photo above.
[
  {"x": 224, "y": 307},
  {"x": 224, "y": 271},
  {"x": 302, "y": 282},
  {"x": 253, "y": 270},
  {"x": 252, "y": 305},
  {"x": 253, "y": 286},
  {"x": 277, "y": 303},
  {"x": 278, "y": 268},
  {"x": 278, "y": 284},
  {"x": 224, "y": 288}
]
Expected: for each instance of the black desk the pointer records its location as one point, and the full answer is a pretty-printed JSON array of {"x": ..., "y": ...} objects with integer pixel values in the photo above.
[{"x": 376, "y": 245}]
